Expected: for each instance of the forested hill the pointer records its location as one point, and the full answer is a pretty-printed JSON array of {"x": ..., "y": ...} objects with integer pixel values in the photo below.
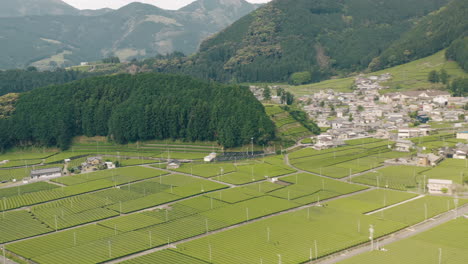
[
  {"x": 320, "y": 36},
  {"x": 458, "y": 52},
  {"x": 431, "y": 34},
  {"x": 137, "y": 107}
]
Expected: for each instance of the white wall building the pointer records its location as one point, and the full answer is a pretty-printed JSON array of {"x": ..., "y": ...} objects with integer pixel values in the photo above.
[{"x": 436, "y": 186}]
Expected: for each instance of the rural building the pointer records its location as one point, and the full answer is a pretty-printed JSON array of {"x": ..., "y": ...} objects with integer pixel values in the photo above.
[
  {"x": 462, "y": 135},
  {"x": 404, "y": 145},
  {"x": 210, "y": 157},
  {"x": 109, "y": 165},
  {"x": 426, "y": 160},
  {"x": 92, "y": 164},
  {"x": 173, "y": 164},
  {"x": 436, "y": 186},
  {"x": 405, "y": 133},
  {"x": 49, "y": 172}
]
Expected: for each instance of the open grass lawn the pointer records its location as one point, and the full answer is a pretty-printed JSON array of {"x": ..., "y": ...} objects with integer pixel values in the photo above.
[{"x": 448, "y": 239}]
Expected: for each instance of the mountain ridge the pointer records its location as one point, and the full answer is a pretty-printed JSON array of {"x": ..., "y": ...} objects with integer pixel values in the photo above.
[{"x": 134, "y": 31}]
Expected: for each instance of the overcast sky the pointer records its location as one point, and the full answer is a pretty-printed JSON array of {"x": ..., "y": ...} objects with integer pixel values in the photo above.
[{"x": 166, "y": 4}]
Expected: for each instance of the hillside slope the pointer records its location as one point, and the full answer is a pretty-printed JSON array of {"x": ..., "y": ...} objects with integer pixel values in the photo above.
[
  {"x": 432, "y": 34},
  {"x": 134, "y": 31},
  {"x": 405, "y": 77},
  {"x": 320, "y": 36}
]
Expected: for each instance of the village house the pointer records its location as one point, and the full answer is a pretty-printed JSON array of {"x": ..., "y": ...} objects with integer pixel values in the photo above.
[
  {"x": 405, "y": 133},
  {"x": 462, "y": 135},
  {"x": 428, "y": 160},
  {"x": 92, "y": 164},
  {"x": 210, "y": 157},
  {"x": 404, "y": 145},
  {"x": 326, "y": 141},
  {"x": 46, "y": 173}
]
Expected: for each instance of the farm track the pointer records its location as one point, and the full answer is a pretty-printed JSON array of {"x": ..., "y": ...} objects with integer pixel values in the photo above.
[{"x": 394, "y": 205}]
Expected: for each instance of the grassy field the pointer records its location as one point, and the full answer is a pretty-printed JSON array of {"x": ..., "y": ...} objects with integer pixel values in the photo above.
[
  {"x": 445, "y": 239},
  {"x": 419, "y": 210},
  {"x": 133, "y": 233},
  {"x": 412, "y": 177},
  {"x": 306, "y": 188},
  {"x": 166, "y": 256},
  {"x": 20, "y": 224},
  {"x": 450, "y": 169},
  {"x": 360, "y": 156},
  {"x": 370, "y": 201},
  {"x": 292, "y": 235},
  {"x": 395, "y": 177}
]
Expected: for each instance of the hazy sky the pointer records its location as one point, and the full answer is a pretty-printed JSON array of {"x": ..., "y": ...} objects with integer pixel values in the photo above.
[{"x": 166, "y": 4}]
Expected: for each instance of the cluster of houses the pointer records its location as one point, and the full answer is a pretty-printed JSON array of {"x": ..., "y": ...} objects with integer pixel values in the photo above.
[{"x": 366, "y": 111}]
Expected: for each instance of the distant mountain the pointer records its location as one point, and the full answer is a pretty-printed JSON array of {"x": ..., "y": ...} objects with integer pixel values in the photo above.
[
  {"x": 324, "y": 37},
  {"x": 133, "y": 31},
  {"x": 18, "y": 8}
]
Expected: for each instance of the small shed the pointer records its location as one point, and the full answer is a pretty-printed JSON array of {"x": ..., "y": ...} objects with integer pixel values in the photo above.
[
  {"x": 210, "y": 157},
  {"x": 173, "y": 164},
  {"x": 436, "y": 186},
  {"x": 110, "y": 165},
  {"x": 49, "y": 172}
]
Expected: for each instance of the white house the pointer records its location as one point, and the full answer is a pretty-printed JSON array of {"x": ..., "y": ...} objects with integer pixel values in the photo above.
[
  {"x": 49, "y": 172},
  {"x": 210, "y": 157},
  {"x": 109, "y": 165},
  {"x": 436, "y": 186},
  {"x": 462, "y": 135}
]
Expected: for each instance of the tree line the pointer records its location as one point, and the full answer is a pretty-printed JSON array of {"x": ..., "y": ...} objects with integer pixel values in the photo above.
[
  {"x": 128, "y": 108},
  {"x": 17, "y": 81}
]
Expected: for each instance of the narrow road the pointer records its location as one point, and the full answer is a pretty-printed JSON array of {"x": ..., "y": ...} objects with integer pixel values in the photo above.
[
  {"x": 400, "y": 235},
  {"x": 394, "y": 205}
]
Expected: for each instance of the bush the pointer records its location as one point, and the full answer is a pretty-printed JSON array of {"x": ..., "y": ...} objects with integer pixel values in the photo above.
[{"x": 299, "y": 78}]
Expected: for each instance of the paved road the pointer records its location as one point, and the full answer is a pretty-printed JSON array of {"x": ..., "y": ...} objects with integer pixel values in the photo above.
[
  {"x": 403, "y": 234},
  {"x": 4, "y": 260}
]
